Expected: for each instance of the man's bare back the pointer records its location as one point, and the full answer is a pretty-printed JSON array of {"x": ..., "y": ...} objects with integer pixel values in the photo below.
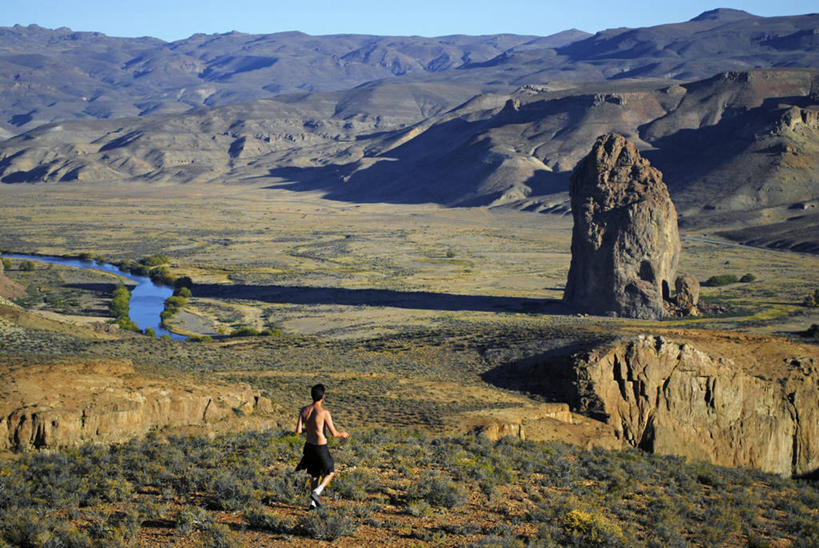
[{"x": 312, "y": 421}]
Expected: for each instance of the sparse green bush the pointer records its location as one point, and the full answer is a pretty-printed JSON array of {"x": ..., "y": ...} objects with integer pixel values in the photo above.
[
  {"x": 438, "y": 490},
  {"x": 120, "y": 303},
  {"x": 86, "y": 256},
  {"x": 155, "y": 260},
  {"x": 747, "y": 278},
  {"x": 7, "y": 263},
  {"x": 195, "y": 338},
  {"x": 584, "y": 528},
  {"x": 150, "y": 332},
  {"x": 261, "y": 519},
  {"x": 219, "y": 535},
  {"x": 27, "y": 266},
  {"x": 720, "y": 279},
  {"x": 244, "y": 332},
  {"x": 183, "y": 292},
  {"x": 162, "y": 275},
  {"x": 325, "y": 524},
  {"x": 192, "y": 518}
]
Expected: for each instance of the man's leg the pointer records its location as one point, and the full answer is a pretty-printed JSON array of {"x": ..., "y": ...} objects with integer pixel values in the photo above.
[
  {"x": 315, "y": 494},
  {"x": 314, "y": 482}
]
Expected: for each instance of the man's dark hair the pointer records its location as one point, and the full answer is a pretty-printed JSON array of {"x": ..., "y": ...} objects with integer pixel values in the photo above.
[{"x": 317, "y": 392}]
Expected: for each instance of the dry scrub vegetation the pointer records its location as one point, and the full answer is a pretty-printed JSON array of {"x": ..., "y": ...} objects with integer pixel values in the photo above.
[
  {"x": 396, "y": 487},
  {"x": 400, "y": 310}
]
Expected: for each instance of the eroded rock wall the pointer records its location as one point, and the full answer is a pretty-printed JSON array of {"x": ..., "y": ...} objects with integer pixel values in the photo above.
[
  {"x": 62, "y": 405},
  {"x": 671, "y": 398}
]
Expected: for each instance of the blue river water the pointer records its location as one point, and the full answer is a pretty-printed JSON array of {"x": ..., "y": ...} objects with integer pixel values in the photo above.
[{"x": 147, "y": 298}]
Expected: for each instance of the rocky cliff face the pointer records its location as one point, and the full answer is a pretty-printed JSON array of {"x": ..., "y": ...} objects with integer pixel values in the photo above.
[
  {"x": 625, "y": 243},
  {"x": 62, "y": 405},
  {"x": 671, "y": 398}
]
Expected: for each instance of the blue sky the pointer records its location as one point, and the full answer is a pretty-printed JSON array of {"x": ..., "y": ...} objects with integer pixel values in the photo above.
[{"x": 176, "y": 19}]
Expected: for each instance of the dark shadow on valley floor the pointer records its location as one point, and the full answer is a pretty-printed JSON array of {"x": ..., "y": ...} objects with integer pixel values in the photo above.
[{"x": 421, "y": 300}]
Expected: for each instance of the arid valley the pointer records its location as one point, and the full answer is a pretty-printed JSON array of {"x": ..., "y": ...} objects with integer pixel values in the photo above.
[{"x": 406, "y": 238}]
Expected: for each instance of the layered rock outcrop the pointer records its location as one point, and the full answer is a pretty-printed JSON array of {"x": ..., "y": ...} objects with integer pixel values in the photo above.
[
  {"x": 671, "y": 398},
  {"x": 60, "y": 405},
  {"x": 625, "y": 243}
]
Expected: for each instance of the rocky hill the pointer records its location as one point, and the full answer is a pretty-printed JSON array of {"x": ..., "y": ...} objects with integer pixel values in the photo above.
[
  {"x": 52, "y": 75},
  {"x": 55, "y": 75},
  {"x": 730, "y": 146}
]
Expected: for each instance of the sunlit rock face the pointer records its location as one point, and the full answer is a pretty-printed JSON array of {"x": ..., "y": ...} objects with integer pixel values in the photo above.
[{"x": 625, "y": 243}]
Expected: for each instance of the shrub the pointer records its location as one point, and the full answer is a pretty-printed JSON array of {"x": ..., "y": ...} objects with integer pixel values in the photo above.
[
  {"x": 812, "y": 300},
  {"x": 720, "y": 279},
  {"x": 591, "y": 529},
  {"x": 27, "y": 266},
  {"x": 325, "y": 524},
  {"x": 419, "y": 508},
  {"x": 259, "y": 518},
  {"x": 162, "y": 275},
  {"x": 747, "y": 278},
  {"x": 437, "y": 490},
  {"x": 120, "y": 303},
  {"x": 86, "y": 257},
  {"x": 244, "y": 332},
  {"x": 7, "y": 263},
  {"x": 192, "y": 518},
  {"x": 229, "y": 491},
  {"x": 183, "y": 281},
  {"x": 150, "y": 332},
  {"x": 154, "y": 260},
  {"x": 193, "y": 338},
  {"x": 219, "y": 535},
  {"x": 182, "y": 292}
]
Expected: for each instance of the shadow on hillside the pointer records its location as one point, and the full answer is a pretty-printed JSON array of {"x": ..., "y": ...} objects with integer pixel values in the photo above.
[
  {"x": 420, "y": 300},
  {"x": 453, "y": 163}
]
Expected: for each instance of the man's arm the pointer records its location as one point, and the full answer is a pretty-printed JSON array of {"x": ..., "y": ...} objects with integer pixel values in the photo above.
[
  {"x": 299, "y": 423},
  {"x": 329, "y": 423}
]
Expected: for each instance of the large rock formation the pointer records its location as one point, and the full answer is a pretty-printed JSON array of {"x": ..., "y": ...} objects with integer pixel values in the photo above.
[
  {"x": 671, "y": 398},
  {"x": 59, "y": 405},
  {"x": 625, "y": 244}
]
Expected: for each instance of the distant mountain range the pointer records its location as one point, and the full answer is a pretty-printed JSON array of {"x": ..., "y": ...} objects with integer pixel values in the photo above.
[
  {"x": 726, "y": 105},
  {"x": 56, "y": 75}
]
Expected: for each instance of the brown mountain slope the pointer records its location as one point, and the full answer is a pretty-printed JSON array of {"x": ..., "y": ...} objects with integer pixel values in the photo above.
[{"x": 734, "y": 143}]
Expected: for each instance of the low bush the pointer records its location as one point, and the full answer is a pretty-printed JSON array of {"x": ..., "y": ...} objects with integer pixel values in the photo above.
[
  {"x": 244, "y": 332},
  {"x": 438, "y": 490},
  {"x": 154, "y": 260},
  {"x": 720, "y": 279},
  {"x": 324, "y": 524},
  {"x": 259, "y": 518},
  {"x": 192, "y": 518},
  {"x": 747, "y": 278}
]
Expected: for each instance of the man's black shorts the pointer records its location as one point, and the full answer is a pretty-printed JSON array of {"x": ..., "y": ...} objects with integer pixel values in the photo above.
[{"x": 316, "y": 460}]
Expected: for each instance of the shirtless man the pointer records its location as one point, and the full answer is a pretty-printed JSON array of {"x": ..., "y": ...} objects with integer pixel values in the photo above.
[{"x": 313, "y": 420}]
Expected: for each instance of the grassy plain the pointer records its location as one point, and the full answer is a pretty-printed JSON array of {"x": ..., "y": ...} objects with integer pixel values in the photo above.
[
  {"x": 400, "y": 309},
  {"x": 312, "y": 266}
]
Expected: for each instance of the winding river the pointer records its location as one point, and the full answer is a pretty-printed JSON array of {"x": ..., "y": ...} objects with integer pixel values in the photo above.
[{"x": 147, "y": 298}]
